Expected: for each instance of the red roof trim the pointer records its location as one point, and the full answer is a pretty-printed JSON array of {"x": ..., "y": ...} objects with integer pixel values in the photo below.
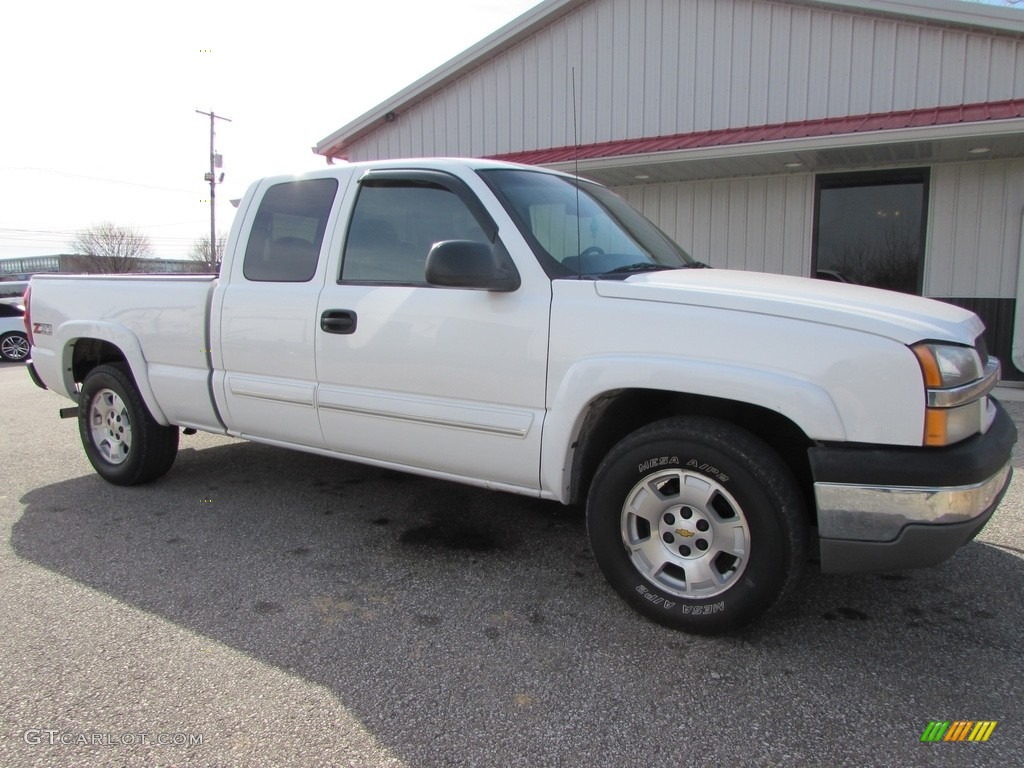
[{"x": 911, "y": 118}]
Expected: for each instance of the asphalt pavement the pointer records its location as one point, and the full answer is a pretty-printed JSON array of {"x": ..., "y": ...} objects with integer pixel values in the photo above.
[{"x": 264, "y": 607}]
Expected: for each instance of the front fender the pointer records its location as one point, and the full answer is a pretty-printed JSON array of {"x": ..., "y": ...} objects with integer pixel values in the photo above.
[
  {"x": 804, "y": 403},
  {"x": 69, "y": 333}
]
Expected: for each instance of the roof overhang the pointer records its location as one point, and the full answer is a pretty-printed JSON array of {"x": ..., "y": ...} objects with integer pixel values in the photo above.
[{"x": 922, "y": 137}]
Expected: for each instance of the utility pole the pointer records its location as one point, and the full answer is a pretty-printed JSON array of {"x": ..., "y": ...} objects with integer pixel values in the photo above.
[{"x": 215, "y": 162}]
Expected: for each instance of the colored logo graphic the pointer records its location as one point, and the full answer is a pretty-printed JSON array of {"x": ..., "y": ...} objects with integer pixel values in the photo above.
[{"x": 958, "y": 730}]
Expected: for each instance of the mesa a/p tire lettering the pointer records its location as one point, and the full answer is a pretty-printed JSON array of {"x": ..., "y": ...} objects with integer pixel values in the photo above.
[
  {"x": 706, "y": 542},
  {"x": 695, "y": 609}
]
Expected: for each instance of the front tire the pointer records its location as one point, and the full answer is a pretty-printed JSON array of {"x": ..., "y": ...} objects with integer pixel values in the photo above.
[
  {"x": 122, "y": 441},
  {"x": 697, "y": 524}
]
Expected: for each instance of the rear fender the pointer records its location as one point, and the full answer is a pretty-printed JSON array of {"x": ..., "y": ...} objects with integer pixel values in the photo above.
[{"x": 127, "y": 342}]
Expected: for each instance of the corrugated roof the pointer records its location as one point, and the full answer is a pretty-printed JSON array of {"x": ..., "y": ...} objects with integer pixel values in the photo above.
[{"x": 911, "y": 118}]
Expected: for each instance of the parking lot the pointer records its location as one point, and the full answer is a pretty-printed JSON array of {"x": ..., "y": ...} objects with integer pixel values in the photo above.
[{"x": 265, "y": 607}]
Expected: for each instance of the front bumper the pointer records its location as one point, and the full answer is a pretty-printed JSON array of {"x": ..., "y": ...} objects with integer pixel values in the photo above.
[{"x": 888, "y": 509}]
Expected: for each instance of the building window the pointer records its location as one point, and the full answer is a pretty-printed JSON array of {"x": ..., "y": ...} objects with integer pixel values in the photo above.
[{"x": 869, "y": 228}]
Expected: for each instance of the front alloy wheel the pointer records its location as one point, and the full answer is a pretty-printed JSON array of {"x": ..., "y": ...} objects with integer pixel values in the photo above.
[
  {"x": 685, "y": 533},
  {"x": 697, "y": 524}
]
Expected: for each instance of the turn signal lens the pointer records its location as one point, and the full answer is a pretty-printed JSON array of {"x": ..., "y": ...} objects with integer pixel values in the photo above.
[{"x": 935, "y": 427}]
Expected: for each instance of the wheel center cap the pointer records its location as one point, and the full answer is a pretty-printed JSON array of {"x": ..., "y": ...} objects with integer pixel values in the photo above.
[{"x": 686, "y": 532}]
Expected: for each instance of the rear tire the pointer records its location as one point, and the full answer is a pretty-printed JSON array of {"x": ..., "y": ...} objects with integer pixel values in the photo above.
[
  {"x": 122, "y": 441},
  {"x": 697, "y": 524}
]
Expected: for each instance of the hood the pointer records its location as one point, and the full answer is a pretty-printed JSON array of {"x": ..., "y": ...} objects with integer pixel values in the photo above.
[{"x": 903, "y": 318}]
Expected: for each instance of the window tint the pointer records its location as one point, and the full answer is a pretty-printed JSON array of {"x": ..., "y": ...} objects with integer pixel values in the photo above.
[
  {"x": 284, "y": 244},
  {"x": 394, "y": 226},
  {"x": 9, "y": 310}
]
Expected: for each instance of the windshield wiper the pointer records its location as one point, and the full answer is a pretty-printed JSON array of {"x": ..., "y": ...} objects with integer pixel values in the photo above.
[{"x": 642, "y": 266}]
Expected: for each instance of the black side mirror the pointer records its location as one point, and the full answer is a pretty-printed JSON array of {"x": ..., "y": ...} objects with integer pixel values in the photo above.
[{"x": 469, "y": 264}]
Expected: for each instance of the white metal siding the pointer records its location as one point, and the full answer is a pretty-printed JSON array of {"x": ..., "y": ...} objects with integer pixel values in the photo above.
[
  {"x": 974, "y": 230},
  {"x": 761, "y": 224},
  {"x": 661, "y": 67},
  {"x": 766, "y": 224}
]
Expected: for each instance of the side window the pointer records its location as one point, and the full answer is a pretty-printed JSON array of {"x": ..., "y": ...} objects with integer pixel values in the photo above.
[
  {"x": 285, "y": 241},
  {"x": 395, "y": 224}
]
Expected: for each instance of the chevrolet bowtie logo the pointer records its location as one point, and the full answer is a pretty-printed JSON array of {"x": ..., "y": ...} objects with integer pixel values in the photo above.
[{"x": 684, "y": 533}]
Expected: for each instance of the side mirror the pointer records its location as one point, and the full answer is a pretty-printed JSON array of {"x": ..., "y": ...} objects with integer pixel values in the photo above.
[{"x": 469, "y": 264}]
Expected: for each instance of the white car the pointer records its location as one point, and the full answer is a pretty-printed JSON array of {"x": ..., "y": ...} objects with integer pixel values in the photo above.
[{"x": 13, "y": 341}]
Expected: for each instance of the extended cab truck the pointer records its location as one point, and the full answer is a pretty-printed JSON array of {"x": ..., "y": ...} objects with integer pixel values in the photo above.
[{"x": 512, "y": 328}]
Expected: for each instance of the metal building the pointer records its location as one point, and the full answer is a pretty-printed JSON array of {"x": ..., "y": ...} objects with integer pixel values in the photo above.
[{"x": 870, "y": 141}]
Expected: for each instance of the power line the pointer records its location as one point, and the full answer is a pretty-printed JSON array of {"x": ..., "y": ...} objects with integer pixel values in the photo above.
[
  {"x": 27, "y": 237},
  {"x": 100, "y": 178}
]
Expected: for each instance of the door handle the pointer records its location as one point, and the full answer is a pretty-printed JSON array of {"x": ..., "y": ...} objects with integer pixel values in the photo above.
[{"x": 341, "y": 321}]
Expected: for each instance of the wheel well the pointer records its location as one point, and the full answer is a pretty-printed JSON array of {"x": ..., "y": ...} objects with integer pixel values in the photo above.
[
  {"x": 89, "y": 353},
  {"x": 617, "y": 414}
]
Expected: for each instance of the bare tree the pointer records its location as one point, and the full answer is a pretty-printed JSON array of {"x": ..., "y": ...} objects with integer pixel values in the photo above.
[
  {"x": 200, "y": 252},
  {"x": 895, "y": 262},
  {"x": 107, "y": 248},
  {"x": 889, "y": 259}
]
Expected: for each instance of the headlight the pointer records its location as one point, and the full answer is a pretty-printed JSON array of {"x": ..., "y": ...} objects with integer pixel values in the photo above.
[
  {"x": 945, "y": 366},
  {"x": 957, "y": 385}
]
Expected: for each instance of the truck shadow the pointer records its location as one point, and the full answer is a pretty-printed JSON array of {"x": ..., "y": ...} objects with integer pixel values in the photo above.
[{"x": 443, "y": 616}]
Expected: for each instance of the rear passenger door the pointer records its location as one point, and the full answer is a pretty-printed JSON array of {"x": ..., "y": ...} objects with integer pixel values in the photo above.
[{"x": 264, "y": 360}]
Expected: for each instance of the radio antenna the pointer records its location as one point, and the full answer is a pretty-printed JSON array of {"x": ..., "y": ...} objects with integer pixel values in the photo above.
[{"x": 576, "y": 179}]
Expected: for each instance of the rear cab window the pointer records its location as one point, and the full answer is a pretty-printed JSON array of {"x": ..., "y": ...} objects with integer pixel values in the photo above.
[{"x": 286, "y": 236}]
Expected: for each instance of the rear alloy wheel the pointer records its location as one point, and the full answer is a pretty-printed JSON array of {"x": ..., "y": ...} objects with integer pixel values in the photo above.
[
  {"x": 697, "y": 524},
  {"x": 123, "y": 442},
  {"x": 14, "y": 347}
]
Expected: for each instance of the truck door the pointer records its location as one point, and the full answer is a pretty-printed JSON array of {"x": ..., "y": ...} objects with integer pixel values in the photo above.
[
  {"x": 265, "y": 363},
  {"x": 445, "y": 379}
]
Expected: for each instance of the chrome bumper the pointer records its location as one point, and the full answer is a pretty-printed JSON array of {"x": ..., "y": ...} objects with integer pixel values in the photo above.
[
  {"x": 873, "y": 513},
  {"x": 889, "y": 509}
]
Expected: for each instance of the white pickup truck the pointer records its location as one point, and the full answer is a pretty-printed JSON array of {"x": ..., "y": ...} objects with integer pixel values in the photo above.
[{"x": 512, "y": 328}]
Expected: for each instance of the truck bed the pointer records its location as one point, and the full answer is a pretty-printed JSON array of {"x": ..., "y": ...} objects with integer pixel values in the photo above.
[{"x": 160, "y": 322}]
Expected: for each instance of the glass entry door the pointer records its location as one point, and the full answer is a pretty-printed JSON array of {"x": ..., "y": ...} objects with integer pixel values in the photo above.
[{"x": 869, "y": 228}]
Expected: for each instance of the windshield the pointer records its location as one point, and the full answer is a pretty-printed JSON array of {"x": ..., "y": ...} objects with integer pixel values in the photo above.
[{"x": 606, "y": 237}]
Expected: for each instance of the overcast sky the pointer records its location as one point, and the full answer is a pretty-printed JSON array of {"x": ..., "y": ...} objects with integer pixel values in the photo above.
[{"x": 99, "y": 100}]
